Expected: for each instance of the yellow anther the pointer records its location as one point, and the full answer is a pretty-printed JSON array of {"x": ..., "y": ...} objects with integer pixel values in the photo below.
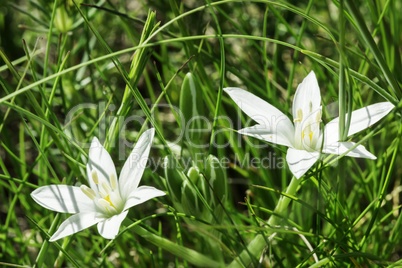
[
  {"x": 299, "y": 115},
  {"x": 105, "y": 186},
  {"x": 88, "y": 191},
  {"x": 95, "y": 176},
  {"x": 318, "y": 117},
  {"x": 113, "y": 182},
  {"x": 104, "y": 203}
]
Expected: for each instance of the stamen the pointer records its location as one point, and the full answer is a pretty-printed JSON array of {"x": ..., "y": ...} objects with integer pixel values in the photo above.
[
  {"x": 102, "y": 193},
  {"x": 310, "y": 105},
  {"x": 103, "y": 203},
  {"x": 318, "y": 117},
  {"x": 106, "y": 187},
  {"x": 111, "y": 210},
  {"x": 95, "y": 177},
  {"x": 88, "y": 191},
  {"x": 113, "y": 182},
  {"x": 107, "y": 205},
  {"x": 299, "y": 115}
]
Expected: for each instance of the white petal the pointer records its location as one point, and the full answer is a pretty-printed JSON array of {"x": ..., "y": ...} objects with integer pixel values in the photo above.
[
  {"x": 339, "y": 148},
  {"x": 109, "y": 228},
  {"x": 266, "y": 115},
  {"x": 76, "y": 223},
  {"x": 300, "y": 161},
  {"x": 142, "y": 194},
  {"x": 307, "y": 97},
  {"x": 63, "y": 198},
  {"x": 361, "y": 119},
  {"x": 135, "y": 164},
  {"x": 100, "y": 161},
  {"x": 262, "y": 133}
]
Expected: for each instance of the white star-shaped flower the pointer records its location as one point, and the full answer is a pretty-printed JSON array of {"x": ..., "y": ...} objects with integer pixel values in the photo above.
[
  {"x": 303, "y": 136},
  {"x": 107, "y": 200}
]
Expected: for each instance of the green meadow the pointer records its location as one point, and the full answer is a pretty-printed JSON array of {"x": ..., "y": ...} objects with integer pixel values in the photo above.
[{"x": 186, "y": 133}]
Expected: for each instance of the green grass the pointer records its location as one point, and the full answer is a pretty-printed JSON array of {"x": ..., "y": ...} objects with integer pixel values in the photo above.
[{"x": 112, "y": 69}]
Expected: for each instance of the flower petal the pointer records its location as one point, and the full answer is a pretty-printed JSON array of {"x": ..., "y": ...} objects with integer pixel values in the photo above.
[
  {"x": 109, "y": 228},
  {"x": 361, "y": 119},
  {"x": 300, "y": 161},
  {"x": 339, "y": 148},
  {"x": 262, "y": 133},
  {"x": 100, "y": 161},
  {"x": 307, "y": 97},
  {"x": 266, "y": 115},
  {"x": 76, "y": 223},
  {"x": 63, "y": 198},
  {"x": 142, "y": 194},
  {"x": 135, "y": 164}
]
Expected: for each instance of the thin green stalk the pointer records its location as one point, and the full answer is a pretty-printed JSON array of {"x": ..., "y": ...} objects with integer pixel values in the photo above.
[
  {"x": 264, "y": 54},
  {"x": 342, "y": 78},
  {"x": 296, "y": 53},
  {"x": 49, "y": 38},
  {"x": 221, "y": 76},
  {"x": 358, "y": 76},
  {"x": 365, "y": 34},
  {"x": 187, "y": 254},
  {"x": 383, "y": 190},
  {"x": 314, "y": 55},
  {"x": 256, "y": 246},
  {"x": 46, "y": 243}
]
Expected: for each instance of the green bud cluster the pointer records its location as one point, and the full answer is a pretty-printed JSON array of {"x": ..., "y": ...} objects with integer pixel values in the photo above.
[{"x": 210, "y": 182}]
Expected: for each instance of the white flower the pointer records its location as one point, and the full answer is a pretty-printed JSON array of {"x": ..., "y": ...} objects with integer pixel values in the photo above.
[
  {"x": 304, "y": 136},
  {"x": 107, "y": 200}
]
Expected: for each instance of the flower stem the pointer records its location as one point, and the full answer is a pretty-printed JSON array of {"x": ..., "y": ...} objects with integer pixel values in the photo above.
[
  {"x": 187, "y": 254},
  {"x": 258, "y": 243}
]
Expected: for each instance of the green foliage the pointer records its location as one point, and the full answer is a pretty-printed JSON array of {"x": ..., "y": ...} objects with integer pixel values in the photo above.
[{"x": 72, "y": 70}]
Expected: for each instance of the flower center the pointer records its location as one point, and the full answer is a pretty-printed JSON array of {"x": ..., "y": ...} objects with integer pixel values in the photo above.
[
  {"x": 307, "y": 129},
  {"x": 105, "y": 194}
]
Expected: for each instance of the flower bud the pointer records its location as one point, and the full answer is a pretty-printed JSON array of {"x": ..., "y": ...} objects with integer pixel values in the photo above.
[
  {"x": 216, "y": 177},
  {"x": 193, "y": 174},
  {"x": 192, "y": 107},
  {"x": 184, "y": 195}
]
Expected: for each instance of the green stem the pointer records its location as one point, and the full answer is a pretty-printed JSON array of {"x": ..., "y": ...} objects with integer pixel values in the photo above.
[
  {"x": 342, "y": 75},
  {"x": 365, "y": 34},
  {"x": 222, "y": 78},
  {"x": 258, "y": 243},
  {"x": 190, "y": 255}
]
